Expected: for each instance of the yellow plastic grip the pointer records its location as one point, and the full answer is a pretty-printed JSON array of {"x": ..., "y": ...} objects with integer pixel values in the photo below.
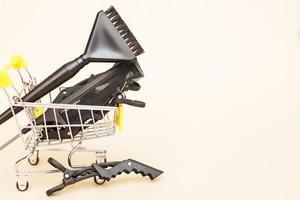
[
  {"x": 18, "y": 62},
  {"x": 38, "y": 111},
  {"x": 5, "y": 80},
  {"x": 119, "y": 118}
]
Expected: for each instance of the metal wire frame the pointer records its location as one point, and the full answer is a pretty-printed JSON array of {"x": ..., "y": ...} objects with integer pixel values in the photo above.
[{"x": 94, "y": 129}]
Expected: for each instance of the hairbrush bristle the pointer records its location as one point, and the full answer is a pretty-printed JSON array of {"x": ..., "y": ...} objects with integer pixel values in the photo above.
[{"x": 124, "y": 31}]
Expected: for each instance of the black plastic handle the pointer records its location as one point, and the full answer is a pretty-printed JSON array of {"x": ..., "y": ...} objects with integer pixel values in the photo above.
[
  {"x": 135, "y": 103},
  {"x": 55, "y": 189},
  {"x": 56, "y": 164},
  {"x": 127, "y": 166},
  {"x": 133, "y": 86}
]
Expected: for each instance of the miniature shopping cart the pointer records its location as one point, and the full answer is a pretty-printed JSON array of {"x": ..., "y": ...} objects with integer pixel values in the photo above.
[
  {"x": 34, "y": 140},
  {"x": 38, "y": 135}
]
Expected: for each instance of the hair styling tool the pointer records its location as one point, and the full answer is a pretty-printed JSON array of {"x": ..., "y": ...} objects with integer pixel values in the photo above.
[
  {"x": 104, "y": 89},
  {"x": 104, "y": 171},
  {"x": 110, "y": 41}
]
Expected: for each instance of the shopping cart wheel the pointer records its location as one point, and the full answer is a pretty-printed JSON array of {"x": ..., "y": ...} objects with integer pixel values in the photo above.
[
  {"x": 34, "y": 159},
  {"x": 22, "y": 186},
  {"x": 98, "y": 180}
]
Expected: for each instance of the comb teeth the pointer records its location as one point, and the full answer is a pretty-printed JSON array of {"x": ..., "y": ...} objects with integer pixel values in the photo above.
[{"x": 124, "y": 31}]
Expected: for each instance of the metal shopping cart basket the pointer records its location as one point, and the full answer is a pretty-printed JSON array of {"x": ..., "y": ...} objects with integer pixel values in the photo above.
[{"x": 37, "y": 136}]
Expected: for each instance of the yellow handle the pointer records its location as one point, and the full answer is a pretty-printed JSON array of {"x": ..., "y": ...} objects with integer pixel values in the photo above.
[
  {"x": 5, "y": 80},
  {"x": 38, "y": 111},
  {"x": 18, "y": 62},
  {"x": 119, "y": 118}
]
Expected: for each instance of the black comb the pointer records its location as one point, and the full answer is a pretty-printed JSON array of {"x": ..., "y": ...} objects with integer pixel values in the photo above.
[{"x": 124, "y": 31}]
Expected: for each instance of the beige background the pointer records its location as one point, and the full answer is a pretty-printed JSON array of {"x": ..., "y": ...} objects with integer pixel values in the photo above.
[{"x": 221, "y": 86}]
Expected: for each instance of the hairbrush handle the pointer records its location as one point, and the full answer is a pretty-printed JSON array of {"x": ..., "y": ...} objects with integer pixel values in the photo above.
[{"x": 57, "y": 78}]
